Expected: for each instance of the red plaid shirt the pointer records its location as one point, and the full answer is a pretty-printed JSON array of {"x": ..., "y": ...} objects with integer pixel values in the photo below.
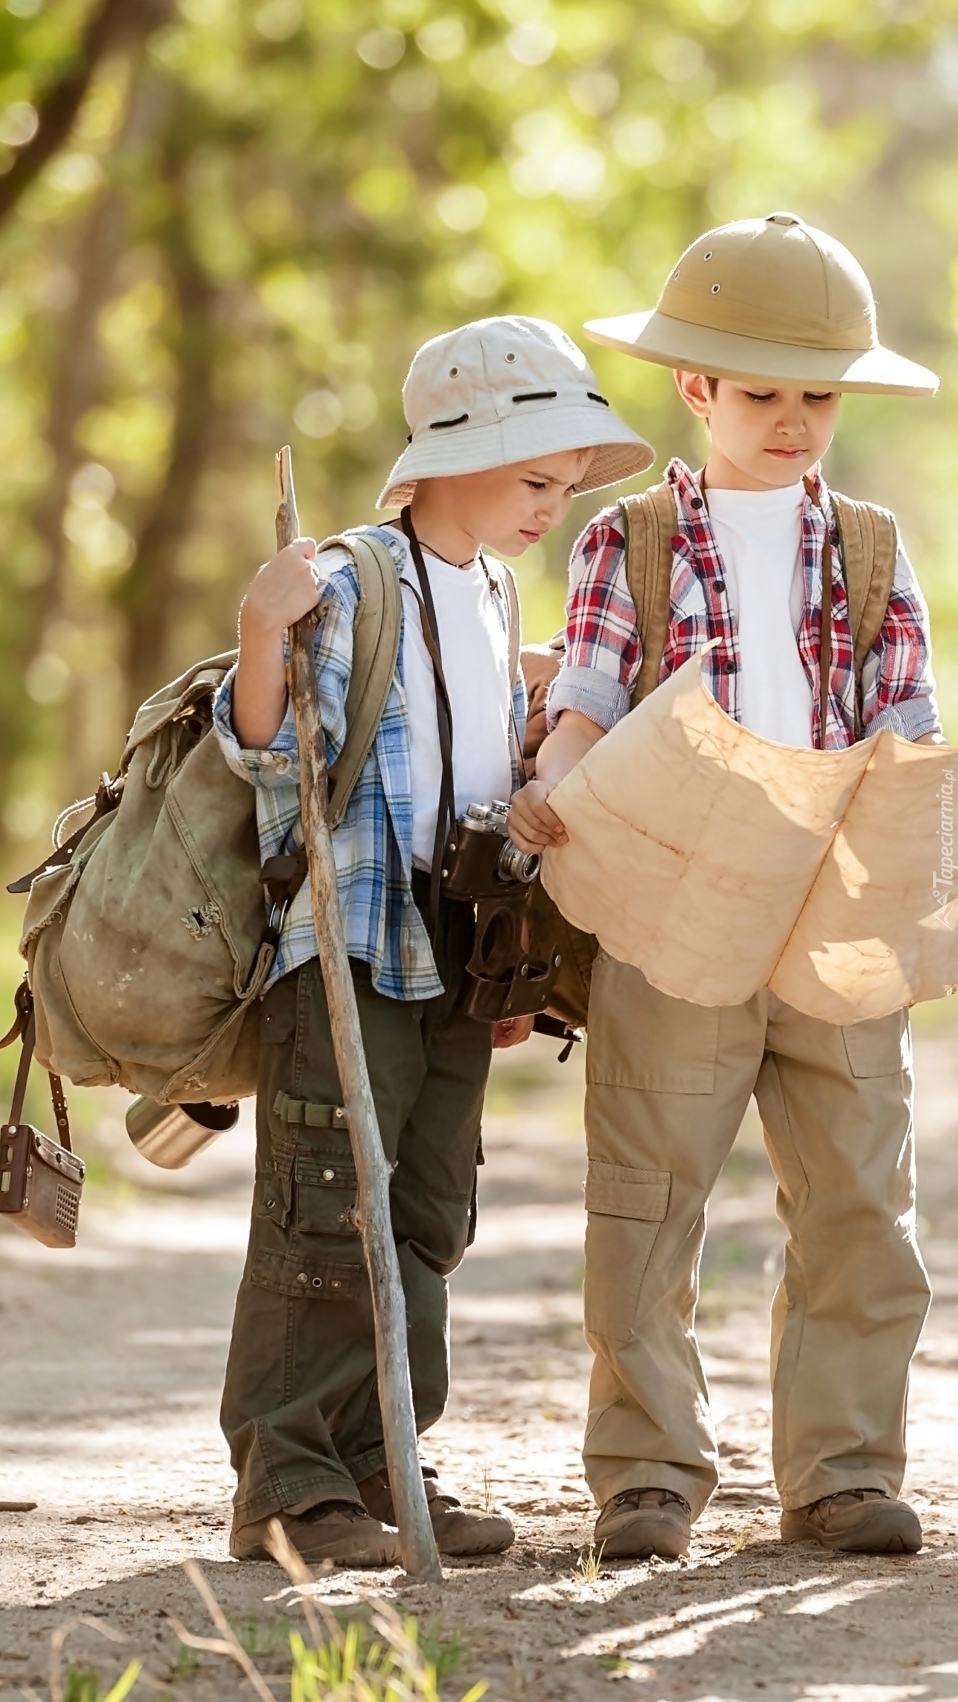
[{"x": 604, "y": 652}]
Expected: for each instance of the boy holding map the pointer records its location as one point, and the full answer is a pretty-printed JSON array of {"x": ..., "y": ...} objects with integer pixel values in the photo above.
[{"x": 765, "y": 323}]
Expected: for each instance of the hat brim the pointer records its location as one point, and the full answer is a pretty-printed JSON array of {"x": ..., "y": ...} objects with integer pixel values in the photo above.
[
  {"x": 656, "y": 337},
  {"x": 620, "y": 451}
]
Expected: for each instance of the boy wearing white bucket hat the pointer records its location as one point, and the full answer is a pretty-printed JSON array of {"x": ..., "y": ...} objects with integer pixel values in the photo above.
[
  {"x": 823, "y": 639},
  {"x": 506, "y": 425}
]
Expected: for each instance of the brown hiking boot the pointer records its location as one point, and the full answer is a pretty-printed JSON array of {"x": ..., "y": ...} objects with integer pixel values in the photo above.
[
  {"x": 642, "y": 1522},
  {"x": 859, "y": 1521},
  {"x": 339, "y": 1531},
  {"x": 458, "y": 1530}
]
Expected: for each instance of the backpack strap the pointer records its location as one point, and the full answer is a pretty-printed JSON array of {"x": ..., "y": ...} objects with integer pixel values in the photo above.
[
  {"x": 375, "y": 651},
  {"x": 869, "y": 545},
  {"x": 650, "y": 521}
]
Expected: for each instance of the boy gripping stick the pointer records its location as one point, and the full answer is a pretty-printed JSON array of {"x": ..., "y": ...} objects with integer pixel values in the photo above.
[
  {"x": 506, "y": 424},
  {"x": 765, "y": 323}
]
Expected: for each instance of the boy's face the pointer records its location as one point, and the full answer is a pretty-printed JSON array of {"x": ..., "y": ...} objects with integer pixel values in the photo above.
[
  {"x": 762, "y": 438},
  {"x": 509, "y": 508}
]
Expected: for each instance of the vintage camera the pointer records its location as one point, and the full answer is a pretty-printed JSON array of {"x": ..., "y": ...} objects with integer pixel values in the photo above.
[
  {"x": 40, "y": 1184},
  {"x": 511, "y": 971},
  {"x": 480, "y": 858}
]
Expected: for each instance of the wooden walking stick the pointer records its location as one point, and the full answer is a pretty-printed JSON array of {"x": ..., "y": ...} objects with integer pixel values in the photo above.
[{"x": 417, "y": 1542}]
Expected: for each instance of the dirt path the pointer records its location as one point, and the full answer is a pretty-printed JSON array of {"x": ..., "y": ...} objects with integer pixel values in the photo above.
[{"x": 112, "y": 1362}]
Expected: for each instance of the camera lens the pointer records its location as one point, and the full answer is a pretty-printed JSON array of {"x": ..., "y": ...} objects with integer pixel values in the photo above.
[{"x": 516, "y": 865}]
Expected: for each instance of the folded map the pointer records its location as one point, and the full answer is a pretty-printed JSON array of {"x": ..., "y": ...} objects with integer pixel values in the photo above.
[{"x": 719, "y": 862}]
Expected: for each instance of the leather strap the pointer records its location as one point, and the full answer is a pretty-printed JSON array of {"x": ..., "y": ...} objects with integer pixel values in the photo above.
[
  {"x": 446, "y": 815},
  {"x": 25, "y": 1030},
  {"x": 23, "y": 1070},
  {"x": 106, "y": 799},
  {"x": 60, "y": 1110}
]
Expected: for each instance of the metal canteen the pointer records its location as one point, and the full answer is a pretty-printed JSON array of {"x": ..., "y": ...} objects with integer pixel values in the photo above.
[{"x": 172, "y": 1135}]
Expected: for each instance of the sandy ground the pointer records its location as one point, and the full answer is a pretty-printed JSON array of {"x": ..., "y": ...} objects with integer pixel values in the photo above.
[{"x": 112, "y": 1360}]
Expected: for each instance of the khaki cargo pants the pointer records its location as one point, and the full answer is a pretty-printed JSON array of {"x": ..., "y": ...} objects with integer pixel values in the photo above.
[
  {"x": 668, "y": 1085},
  {"x": 300, "y": 1406}
]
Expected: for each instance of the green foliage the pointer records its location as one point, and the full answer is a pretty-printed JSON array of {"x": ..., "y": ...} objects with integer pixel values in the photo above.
[
  {"x": 81, "y": 1684},
  {"x": 443, "y": 1650},
  {"x": 259, "y": 1638},
  {"x": 185, "y": 1665},
  {"x": 357, "y": 1667},
  {"x": 263, "y": 206},
  {"x": 589, "y": 1563}
]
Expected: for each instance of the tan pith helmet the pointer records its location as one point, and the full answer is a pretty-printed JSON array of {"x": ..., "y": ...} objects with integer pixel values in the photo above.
[{"x": 771, "y": 299}]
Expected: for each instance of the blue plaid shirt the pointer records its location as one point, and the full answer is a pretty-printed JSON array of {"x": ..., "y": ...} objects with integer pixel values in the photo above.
[{"x": 373, "y": 843}]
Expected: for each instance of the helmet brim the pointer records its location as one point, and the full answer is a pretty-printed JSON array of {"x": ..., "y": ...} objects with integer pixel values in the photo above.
[{"x": 656, "y": 337}]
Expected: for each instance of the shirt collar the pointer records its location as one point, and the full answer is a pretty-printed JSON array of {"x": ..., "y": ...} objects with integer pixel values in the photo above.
[{"x": 691, "y": 506}]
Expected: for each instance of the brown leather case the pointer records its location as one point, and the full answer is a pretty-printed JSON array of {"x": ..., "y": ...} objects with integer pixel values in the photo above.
[{"x": 40, "y": 1179}]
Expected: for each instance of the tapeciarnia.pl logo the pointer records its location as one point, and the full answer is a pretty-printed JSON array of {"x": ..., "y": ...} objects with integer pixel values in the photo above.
[{"x": 943, "y": 879}]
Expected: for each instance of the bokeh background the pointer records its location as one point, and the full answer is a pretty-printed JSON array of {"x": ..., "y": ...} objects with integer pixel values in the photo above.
[{"x": 225, "y": 224}]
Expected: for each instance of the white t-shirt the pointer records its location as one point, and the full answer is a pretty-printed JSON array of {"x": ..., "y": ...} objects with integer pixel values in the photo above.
[
  {"x": 759, "y": 535},
  {"x": 474, "y": 646}
]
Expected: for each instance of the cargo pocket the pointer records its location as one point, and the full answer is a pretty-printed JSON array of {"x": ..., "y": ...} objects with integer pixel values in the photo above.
[
  {"x": 301, "y": 1278},
  {"x": 641, "y": 1038},
  {"x": 324, "y": 1174},
  {"x": 325, "y": 1190},
  {"x": 625, "y": 1208},
  {"x": 273, "y": 1194},
  {"x": 881, "y": 1047}
]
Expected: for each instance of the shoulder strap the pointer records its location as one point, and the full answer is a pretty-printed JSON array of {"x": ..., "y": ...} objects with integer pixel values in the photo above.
[
  {"x": 515, "y": 620},
  {"x": 868, "y": 537},
  {"x": 375, "y": 650},
  {"x": 650, "y": 521},
  {"x": 505, "y": 585}
]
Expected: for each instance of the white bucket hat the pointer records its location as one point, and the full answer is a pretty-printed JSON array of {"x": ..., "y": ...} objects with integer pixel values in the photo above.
[
  {"x": 772, "y": 299},
  {"x": 505, "y": 390}
]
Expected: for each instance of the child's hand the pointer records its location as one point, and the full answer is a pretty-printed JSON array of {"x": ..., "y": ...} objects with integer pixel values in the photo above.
[
  {"x": 285, "y": 589},
  {"x": 511, "y": 1031},
  {"x": 533, "y": 825}
]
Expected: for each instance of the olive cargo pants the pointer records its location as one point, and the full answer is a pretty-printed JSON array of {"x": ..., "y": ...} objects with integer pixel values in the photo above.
[
  {"x": 300, "y": 1406},
  {"x": 667, "y": 1086}
]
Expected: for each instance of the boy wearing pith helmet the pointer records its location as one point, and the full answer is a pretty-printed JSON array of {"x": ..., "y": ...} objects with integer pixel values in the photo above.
[
  {"x": 822, "y": 639},
  {"x": 507, "y": 425}
]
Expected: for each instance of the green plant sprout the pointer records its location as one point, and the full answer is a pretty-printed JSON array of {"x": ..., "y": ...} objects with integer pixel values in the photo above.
[{"x": 589, "y": 1562}]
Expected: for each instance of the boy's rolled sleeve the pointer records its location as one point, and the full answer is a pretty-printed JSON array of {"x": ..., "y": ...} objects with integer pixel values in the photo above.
[
  {"x": 898, "y": 686},
  {"x": 603, "y": 650},
  {"x": 278, "y": 763},
  {"x": 588, "y": 691},
  {"x": 267, "y": 767}
]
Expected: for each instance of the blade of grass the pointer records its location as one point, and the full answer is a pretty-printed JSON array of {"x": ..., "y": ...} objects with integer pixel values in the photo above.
[
  {"x": 299, "y": 1573},
  {"x": 235, "y": 1647},
  {"x": 124, "y": 1683},
  {"x": 59, "y": 1636}
]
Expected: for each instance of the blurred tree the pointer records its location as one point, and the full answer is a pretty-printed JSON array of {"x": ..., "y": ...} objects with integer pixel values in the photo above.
[
  {"x": 57, "y": 102},
  {"x": 256, "y": 209}
]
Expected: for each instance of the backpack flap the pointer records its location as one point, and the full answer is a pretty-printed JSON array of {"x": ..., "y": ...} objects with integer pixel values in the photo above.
[{"x": 193, "y": 691}]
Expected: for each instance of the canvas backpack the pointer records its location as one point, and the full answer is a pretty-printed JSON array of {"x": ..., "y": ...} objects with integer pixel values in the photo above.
[
  {"x": 869, "y": 547},
  {"x": 144, "y": 933}
]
